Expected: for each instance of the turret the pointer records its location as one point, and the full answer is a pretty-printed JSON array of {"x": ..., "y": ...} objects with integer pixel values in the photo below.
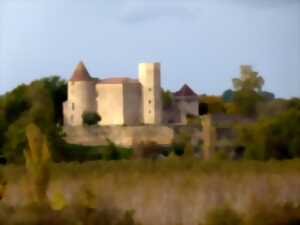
[
  {"x": 81, "y": 96},
  {"x": 149, "y": 77}
]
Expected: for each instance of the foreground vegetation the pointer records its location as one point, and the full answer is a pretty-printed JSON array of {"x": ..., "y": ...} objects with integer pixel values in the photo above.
[{"x": 170, "y": 191}]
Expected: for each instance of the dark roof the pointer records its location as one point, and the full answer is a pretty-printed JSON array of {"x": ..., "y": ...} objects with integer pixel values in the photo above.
[
  {"x": 185, "y": 91},
  {"x": 81, "y": 73},
  {"x": 118, "y": 80}
]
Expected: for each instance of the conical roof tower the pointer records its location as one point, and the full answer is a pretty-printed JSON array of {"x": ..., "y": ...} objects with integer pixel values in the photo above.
[
  {"x": 185, "y": 91},
  {"x": 81, "y": 73}
]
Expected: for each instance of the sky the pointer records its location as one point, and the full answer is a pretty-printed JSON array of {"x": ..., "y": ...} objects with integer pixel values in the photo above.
[{"x": 198, "y": 42}]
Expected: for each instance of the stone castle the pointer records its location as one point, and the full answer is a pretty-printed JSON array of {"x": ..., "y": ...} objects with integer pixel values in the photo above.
[{"x": 126, "y": 101}]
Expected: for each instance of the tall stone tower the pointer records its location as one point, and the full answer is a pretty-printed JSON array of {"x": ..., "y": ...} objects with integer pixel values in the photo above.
[
  {"x": 81, "y": 96},
  {"x": 149, "y": 77}
]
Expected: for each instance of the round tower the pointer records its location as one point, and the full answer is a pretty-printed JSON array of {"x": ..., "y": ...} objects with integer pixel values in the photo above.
[
  {"x": 81, "y": 95},
  {"x": 149, "y": 77}
]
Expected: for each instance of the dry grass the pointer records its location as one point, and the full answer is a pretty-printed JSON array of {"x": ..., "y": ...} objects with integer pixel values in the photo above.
[{"x": 169, "y": 191}]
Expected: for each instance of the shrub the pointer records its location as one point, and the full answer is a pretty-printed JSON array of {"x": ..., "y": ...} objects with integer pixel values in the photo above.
[
  {"x": 223, "y": 215},
  {"x": 90, "y": 118},
  {"x": 114, "y": 152},
  {"x": 37, "y": 158},
  {"x": 127, "y": 219},
  {"x": 262, "y": 214},
  {"x": 188, "y": 151},
  {"x": 148, "y": 150}
]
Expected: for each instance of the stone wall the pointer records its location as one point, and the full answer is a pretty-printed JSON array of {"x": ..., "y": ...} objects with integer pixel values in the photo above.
[{"x": 120, "y": 135}]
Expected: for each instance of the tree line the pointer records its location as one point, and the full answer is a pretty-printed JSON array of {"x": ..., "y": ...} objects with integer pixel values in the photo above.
[{"x": 274, "y": 134}]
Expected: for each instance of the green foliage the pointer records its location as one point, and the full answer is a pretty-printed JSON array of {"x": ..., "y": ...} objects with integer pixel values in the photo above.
[
  {"x": 223, "y": 215},
  {"x": 181, "y": 140},
  {"x": 81, "y": 153},
  {"x": 148, "y": 150},
  {"x": 91, "y": 118},
  {"x": 178, "y": 149},
  {"x": 194, "y": 121},
  {"x": 211, "y": 104},
  {"x": 188, "y": 151},
  {"x": 294, "y": 103},
  {"x": 228, "y": 95},
  {"x": 112, "y": 152},
  {"x": 246, "y": 101},
  {"x": 248, "y": 91},
  {"x": 167, "y": 99},
  {"x": 37, "y": 158},
  {"x": 72, "y": 215},
  {"x": 221, "y": 154},
  {"x": 267, "y": 96},
  {"x": 262, "y": 214},
  {"x": 272, "y": 137},
  {"x": 272, "y": 108},
  {"x": 39, "y": 102},
  {"x": 249, "y": 80}
]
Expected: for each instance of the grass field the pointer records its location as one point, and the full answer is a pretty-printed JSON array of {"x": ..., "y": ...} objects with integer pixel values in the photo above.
[{"x": 167, "y": 192}]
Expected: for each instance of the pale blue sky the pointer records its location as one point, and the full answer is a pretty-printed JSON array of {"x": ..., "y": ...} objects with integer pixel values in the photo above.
[{"x": 199, "y": 42}]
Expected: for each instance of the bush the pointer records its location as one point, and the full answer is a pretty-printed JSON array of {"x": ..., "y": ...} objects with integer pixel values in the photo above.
[
  {"x": 262, "y": 214},
  {"x": 37, "y": 158},
  {"x": 75, "y": 214},
  {"x": 275, "y": 137},
  {"x": 149, "y": 150},
  {"x": 90, "y": 118},
  {"x": 223, "y": 216},
  {"x": 112, "y": 152}
]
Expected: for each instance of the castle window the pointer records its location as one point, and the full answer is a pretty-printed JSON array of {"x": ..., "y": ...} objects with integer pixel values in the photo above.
[
  {"x": 72, "y": 118},
  {"x": 150, "y": 89},
  {"x": 72, "y": 82},
  {"x": 149, "y": 101},
  {"x": 149, "y": 111},
  {"x": 73, "y": 106}
]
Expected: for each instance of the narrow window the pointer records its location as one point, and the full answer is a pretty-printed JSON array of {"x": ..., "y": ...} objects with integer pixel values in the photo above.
[
  {"x": 150, "y": 101},
  {"x": 150, "y": 89},
  {"x": 73, "y": 106},
  {"x": 149, "y": 111},
  {"x": 72, "y": 118}
]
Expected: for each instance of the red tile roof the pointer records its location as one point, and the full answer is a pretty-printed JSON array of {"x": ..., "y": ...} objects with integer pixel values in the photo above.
[
  {"x": 185, "y": 91},
  {"x": 118, "y": 80},
  {"x": 81, "y": 73}
]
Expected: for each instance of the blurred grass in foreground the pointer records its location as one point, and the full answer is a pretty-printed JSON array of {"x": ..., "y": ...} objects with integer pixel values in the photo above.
[{"x": 170, "y": 191}]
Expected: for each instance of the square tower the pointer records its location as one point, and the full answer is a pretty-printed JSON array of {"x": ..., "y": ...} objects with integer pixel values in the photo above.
[{"x": 149, "y": 77}]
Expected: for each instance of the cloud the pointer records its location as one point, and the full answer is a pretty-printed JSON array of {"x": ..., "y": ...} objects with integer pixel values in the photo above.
[
  {"x": 145, "y": 11},
  {"x": 137, "y": 11}
]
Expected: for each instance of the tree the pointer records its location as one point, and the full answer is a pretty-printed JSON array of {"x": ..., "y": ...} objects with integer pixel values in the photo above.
[
  {"x": 214, "y": 104},
  {"x": 228, "y": 95},
  {"x": 167, "y": 99},
  {"x": 57, "y": 89},
  {"x": 249, "y": 80},
  {"x": 247, "y": 90},
  {"x": 91, "y": 118},
  {"x": 270, "y": 137},
  {"x": 26, "y": 104},
  {"x": 247, "y": 101}
]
